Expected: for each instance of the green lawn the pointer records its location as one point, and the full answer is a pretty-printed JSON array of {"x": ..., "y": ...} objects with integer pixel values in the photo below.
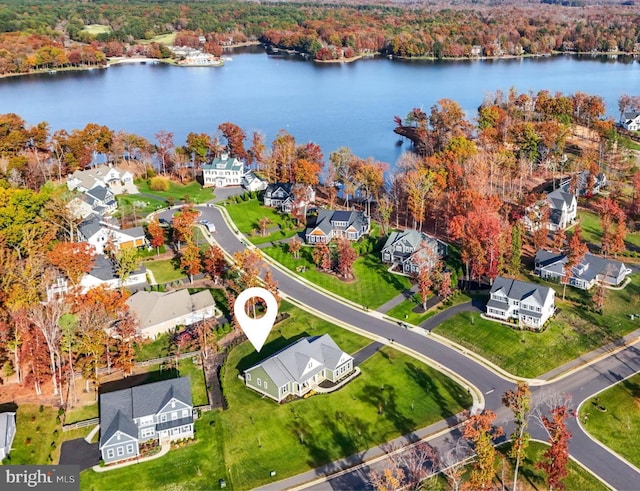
[
  {"x": 256, "y": 436},
  {"x": 95, "y": 29},
  {"x": 246, "y": 215},
  {"x": 143, "y": 205},
  {"x": 166, "y": 39},
  {"x": 164, "y": 270},
  {"x": 591, "y": 231},
  {"x": 39, "y": 435},
  {"x": 81, "y": 413},
  {"x": 177, "y": 192},
  {"x": 373, "y": 285},
  {"x": 405, "y": 313},
  {"x": 619, "y": 426}
]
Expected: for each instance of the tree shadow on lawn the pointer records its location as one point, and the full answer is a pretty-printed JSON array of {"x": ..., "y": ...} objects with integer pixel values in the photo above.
[
  {"x": 384, "y": 399},
  {"x": 373, "y": 262},
  {"x": 140, "y": 379},
  {"x": 423, "y": 380},
  {"x": 271, "y": 347}
]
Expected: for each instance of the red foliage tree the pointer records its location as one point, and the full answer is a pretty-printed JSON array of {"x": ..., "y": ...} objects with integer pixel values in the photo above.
[
  {"x": 73, "y": 259},
  {"x": 156, "y": 233},
  {"x": 346, "y": 257},
  {"x": 235, "y": 140},
  {"x": 557, "y": 455},
  {"x": 480, "y": 431},
  {"x": 215, "y": 264}
]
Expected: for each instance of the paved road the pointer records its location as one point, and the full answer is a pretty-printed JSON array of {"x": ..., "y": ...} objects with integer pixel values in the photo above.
[{"x": 578, "y": 385}]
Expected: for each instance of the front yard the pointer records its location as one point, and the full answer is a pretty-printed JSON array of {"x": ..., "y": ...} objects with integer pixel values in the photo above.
[
  {"x": 177, "y": 192},
  {"x": 404, "y": 312},
  {"x": 612, "y": 417},
  {"x": 394, "y": 395},
  {"x": 573, "y": 332},
  {"x": 592, "y": 231},
  {"x": 246, "y": 215},
  {"x": 373, "y": 285}
]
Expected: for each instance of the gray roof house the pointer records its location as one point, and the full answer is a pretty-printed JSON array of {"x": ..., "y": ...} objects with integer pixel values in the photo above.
[
  {"x": 118, "y": 180},
  {"x": 223, "y": 171},
  {"x": 104, "y": 273},
  {"x": 299, "y": 368},
  {"x": 563, "y": 211},
  {"x": 7, "y": 433},
  {"x": 331, "y": 224},
  {"x": 159, "y": 312},
  {"x": 631, "y": 121},
  {"x": 98, "y": 232},
  {"x": 101, "y": 199},
  {"x": 161, "y": 411},
  {"x": 592, "y": 269},
  {"x": 406, "y": 249},
  {"x": 531, "y": 305},
  {"x": 582, "y": 182},
  {"x": 282, "y": 195}
]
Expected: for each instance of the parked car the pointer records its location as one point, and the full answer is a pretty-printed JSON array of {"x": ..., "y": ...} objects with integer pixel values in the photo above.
[{"x": 211, "y": 228}]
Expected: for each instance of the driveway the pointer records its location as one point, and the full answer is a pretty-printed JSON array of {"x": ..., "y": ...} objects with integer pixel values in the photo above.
[{"x": 79, "y": 452}]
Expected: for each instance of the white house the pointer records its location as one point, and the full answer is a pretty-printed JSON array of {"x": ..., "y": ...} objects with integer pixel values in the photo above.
[
  {"x": 117, "y": 180},
  {"x": 299, "y": 368},
  {"x": 591, "y": 270},
  {"x": 158, "y": 411},
  {"x": 563, "y": 211},
  {"x": 7, "y": 432},
  {"x": 251, "y": 182},
  {"x": 223, "y": 171},
  {"x": 331, "y": 224},
  {"x": 104, "y": 274},
  {"x": 531, "y": 305},
  {"x": 409, "y": 250},
  {"x": 631, "y": 121},
  {"x": 160, "y": 312},
  {"x": 99, "y": 233}
]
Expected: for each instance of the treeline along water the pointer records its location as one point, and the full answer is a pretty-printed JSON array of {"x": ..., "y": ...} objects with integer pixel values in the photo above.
[{"x": 334, "y": 105}]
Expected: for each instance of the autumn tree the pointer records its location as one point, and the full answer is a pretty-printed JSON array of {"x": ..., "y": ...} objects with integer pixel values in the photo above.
[
  {"x": 243, "y": 274},
  {"x": 294, "y": 246},
  {"x": 73, "y": 259},
  {"x": 321, "y": 256},
  {"x": 156, "y": 233},
  {"x": 263, "y": 225},
  {"x": 215, "y": 263},
  {"x": 183, "y": 223},
  {"x": 127, "y": 261},
  {"x": 480, "y": 431},
  {"x": 125, "y": 335},
  {"x": 613, "y": 225},
  {"x": 516, "y": 248},
  {"x": 235, "y": 140},
  {"x": 556, "y": 457},
  {"x": 559, "y": 238},
  {"x": 346, "y": 256},
  {"x": 165, "y": 150},
  {"x": 519, "y": 402},
  {"x": 190, "y": 260},
  {"x": 206, "y": 336},
  {"x": 576, "y": 251}
]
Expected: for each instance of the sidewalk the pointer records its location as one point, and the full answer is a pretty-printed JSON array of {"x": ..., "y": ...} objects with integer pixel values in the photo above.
[{"x": 398, "y": 299}]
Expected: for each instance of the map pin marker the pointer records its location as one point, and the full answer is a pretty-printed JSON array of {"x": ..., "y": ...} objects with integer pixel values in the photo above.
[{"x": 257, "y": 330}]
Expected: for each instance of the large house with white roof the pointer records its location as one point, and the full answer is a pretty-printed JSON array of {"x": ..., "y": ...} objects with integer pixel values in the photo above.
[
  {"x": 631, "y": 121},
  {"x": 160, "y": 312},
  {"x": 591, "y": 270},
  {"x": 158, "y": 411},
  {"x": 99, "y": 233},
  {"x": 299, "y": 368},
  {"x": 223, "y": 171},
  {"x": 531, "y": 305},
  {"x": 117, "y": 180},
  {"x": 563, "y": 211}
]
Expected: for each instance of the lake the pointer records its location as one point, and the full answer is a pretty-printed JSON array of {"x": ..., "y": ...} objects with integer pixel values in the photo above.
[{"x": 334, "y": 105}]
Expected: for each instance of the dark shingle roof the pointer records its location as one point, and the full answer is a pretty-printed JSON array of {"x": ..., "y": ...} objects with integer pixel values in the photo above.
[
  {"x": 90, "y": 226},
  {"x": 520, "y": 290}
]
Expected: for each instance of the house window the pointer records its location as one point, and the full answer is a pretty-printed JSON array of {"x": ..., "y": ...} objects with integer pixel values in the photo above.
[
  {"x": 174, "y": 415},
  {"x": 110, "y": 453},
  {"x": 259, "y": 382},
  {"x": 185, "y": 413},
  {"x": 130, "y": 448},
  {"x": 265, "y": 385},
  {"x": 248, "y": 377},
  {"x": 163, "y": 418},
  {"x": 120, "y": 451}
]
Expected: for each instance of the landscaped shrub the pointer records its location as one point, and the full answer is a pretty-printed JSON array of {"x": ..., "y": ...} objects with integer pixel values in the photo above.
[{"x": 159, "y": 183}]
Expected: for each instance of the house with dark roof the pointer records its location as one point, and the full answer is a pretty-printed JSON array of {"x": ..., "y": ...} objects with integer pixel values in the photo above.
[
  {"x": 582, "y": 179},
  {"x": 223, "y": 171},
  {"x": 563, "y": 211},
  {"x": 7, "y": 432},
  {"x": 282, "y": 196},
  {"x": 631, "y": 121},
  {"x": 591, "y": 270},
  {"x": 104, "y": 273},
  {"x": 99, "y": 233},
  {"x": 531, "y": 305},
  {"x": 299, "y": 368},
  {"x": 158, "y": 411},
  {"x": 160, "y": 312},
  {"x": 101, "y": 200},
  {"x": 409, "y": 250},
  {"x": 330, "y": 224}
]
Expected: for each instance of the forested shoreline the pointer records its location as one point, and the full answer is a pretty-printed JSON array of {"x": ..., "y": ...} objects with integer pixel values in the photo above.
[{"x": 41, "y": 34}]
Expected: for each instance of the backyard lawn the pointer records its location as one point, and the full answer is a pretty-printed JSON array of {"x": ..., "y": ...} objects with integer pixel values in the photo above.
[
  {"x": 394, "y": 395},
  {"x": 574, "y": 331},
  {"x": 592, "y": 231},
  {"x": 246, "y": 215},
  {"x": 373, "y": 285},
  {"x": 177, "y": 192},
  {"x": 164, "y": 270},
  {"x": 617, "y": 423}
]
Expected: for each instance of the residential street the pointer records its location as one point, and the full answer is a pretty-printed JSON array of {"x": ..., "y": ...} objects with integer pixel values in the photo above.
[{"x": 579, "y": 384}]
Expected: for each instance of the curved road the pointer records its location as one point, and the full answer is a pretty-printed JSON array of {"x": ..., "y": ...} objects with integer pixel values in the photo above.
[{"x": 579, "y": 385}]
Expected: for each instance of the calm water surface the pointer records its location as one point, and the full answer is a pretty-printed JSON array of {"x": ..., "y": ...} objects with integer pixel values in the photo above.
[{"x": 333, "y": 105}]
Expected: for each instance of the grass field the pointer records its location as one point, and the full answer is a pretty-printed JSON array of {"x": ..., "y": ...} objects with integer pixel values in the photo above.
[
  {"x": 143, "y": 205},
  {"x": 166, "y": 39},
  {"x": 95, "y": 29},
  {"x": 592, "y": 232},
  {"x": 81, "y": 413},
  {"x": 618, "y": 427},
  {"x": 373, "y": 285},
  {"x": 165, "y": 270},
  {"x": 195, "y": 192},
  {"x": 394, "y": 395},
  {"x": 574, "y": 331},
  {"x": 246, "y": 215}
]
